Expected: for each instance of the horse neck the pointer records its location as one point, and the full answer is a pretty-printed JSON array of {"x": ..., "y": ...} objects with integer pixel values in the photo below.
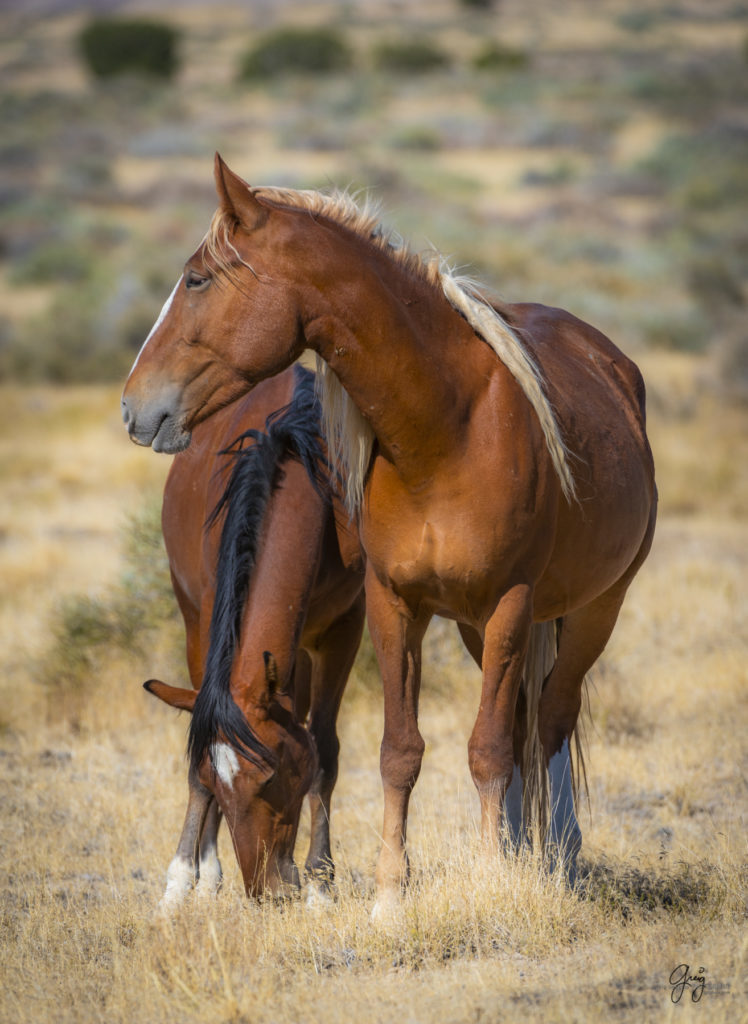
[
  {"x": 399, "y": 349},
  {"x": 282, "y": 582}
]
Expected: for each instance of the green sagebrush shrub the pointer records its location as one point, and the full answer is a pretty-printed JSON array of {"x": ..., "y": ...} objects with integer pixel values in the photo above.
[
  {"x": 296, "y": 50},
  {"x": 410, "y": 57},
  {"x": 113, "y": 46},
  {"x": 497, "y": 57},
  {"x": 87, "y": 632}
]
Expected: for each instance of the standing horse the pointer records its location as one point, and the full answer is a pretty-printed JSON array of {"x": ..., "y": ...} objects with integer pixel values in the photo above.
[
  {"x": 496, "y": 454},
  {"x": 271, "y": 592}
]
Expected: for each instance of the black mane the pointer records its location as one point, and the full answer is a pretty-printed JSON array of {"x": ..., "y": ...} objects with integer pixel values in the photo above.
[{"x": 290, "y": 433}]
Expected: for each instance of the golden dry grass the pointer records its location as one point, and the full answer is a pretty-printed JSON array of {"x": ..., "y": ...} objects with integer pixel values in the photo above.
[
  {"x": 91, "y": 813},
  {"x": 92, "y": 782}
]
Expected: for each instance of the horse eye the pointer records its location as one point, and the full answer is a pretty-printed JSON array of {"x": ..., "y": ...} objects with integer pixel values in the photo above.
[{"x": 195, "y": 281}]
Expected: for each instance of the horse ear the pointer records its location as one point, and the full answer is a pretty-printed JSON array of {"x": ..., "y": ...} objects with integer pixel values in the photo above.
[
  {"x": 271, "y": 673},
  {"x": 172, "y": 695},
  {"x": 235, "y": 197}
]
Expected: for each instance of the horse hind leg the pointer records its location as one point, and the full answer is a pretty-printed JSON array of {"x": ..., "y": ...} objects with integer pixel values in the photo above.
[
  {"x": 584, "y": 634},
  {"x": 492, "y": 748},
  {"x": 515, "y": 830}
]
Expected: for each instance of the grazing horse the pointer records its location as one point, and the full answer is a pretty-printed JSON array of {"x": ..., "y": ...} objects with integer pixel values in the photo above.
[
  {"x": 271, "y": 592},
  {"x": 496, "y": 456}
]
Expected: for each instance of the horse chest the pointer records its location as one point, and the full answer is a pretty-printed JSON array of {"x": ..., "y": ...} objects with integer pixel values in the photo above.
[
  {"x": 456, "y": 541},
  {"x": 447, "y": 564}
]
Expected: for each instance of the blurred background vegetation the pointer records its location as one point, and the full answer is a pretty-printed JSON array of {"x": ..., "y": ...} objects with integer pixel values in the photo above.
[{"x": 590, "y": 156}]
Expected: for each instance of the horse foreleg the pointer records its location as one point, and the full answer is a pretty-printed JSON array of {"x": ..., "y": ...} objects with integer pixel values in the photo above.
[
  {"x": 397, "y": 640},
  {"x": 336, "y": 652},
  {"x": 211, "y": 873},
  {"x": 491, "y": 752},
  {"x": 184, "y": 867}
]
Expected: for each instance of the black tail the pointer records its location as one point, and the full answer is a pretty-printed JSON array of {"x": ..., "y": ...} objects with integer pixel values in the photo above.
[{"x": 290, "y": 433}]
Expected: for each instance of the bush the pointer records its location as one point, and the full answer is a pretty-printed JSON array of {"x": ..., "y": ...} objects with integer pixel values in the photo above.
[
  {"x": 88, "y": 632},
  {"x": 412, "y": 57},
  {"x": 66, "y": 343},
  {"x": 308, "y": 51},
  {"x": 112, "y": 46},
  {"x": 704, "y": 170},
  {"x": 56, "y": 261},
  {"x": 638, "y": 21},
  {"x": 420, "y": 138},
  {"x": 496, "y": 57}
]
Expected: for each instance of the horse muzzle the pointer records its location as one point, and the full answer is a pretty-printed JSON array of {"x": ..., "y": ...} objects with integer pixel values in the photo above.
[{"x": 157, "y": 427}]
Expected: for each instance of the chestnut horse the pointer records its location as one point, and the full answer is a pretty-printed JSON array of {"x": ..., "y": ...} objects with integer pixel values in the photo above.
[
  {"x": 271, "y": 592},
  {"x": 496, "y": 455}
]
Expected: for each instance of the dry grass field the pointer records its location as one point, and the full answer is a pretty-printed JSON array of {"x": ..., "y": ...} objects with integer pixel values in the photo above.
[{"x": 599, "y": 201}]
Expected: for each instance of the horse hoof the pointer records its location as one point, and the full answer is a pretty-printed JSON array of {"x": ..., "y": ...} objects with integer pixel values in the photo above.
[
  {"x": 387, "y": 912},
  {"x": 318, "y": 897},
  {"x": 210, "y": 880},
  {"x": 180, "y": 879}
]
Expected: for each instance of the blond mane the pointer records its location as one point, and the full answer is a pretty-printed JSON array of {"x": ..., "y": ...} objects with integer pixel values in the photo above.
[{"x": 349, "y": 436}]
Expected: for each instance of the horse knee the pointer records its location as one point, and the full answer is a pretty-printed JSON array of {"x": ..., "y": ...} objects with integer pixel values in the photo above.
[
  {"x": 400, "y": 761},
  {"x": 491, "y": 764}
]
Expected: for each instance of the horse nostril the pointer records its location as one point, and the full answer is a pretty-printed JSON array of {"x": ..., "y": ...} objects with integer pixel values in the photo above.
[{"x": 125, "y": 413}]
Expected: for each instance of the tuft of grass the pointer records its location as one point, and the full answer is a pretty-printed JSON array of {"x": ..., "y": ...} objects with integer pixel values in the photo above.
[{"x": 703, "y": 888}]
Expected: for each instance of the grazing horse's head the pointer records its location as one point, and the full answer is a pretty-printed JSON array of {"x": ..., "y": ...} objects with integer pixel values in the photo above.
[
  {"x": 260, "y": 798},
  {"x": 231, "y": 320}
]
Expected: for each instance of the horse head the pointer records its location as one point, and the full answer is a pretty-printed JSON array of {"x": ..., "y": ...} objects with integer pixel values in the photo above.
[
  {"x": 260, "y": 798},
  {"x": 231, "y": 320}
]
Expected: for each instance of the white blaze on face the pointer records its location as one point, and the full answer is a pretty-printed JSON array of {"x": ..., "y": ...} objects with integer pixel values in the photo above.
[
  {"x": 161, "y": 317},
  {"x": 225, "y": 762}
]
